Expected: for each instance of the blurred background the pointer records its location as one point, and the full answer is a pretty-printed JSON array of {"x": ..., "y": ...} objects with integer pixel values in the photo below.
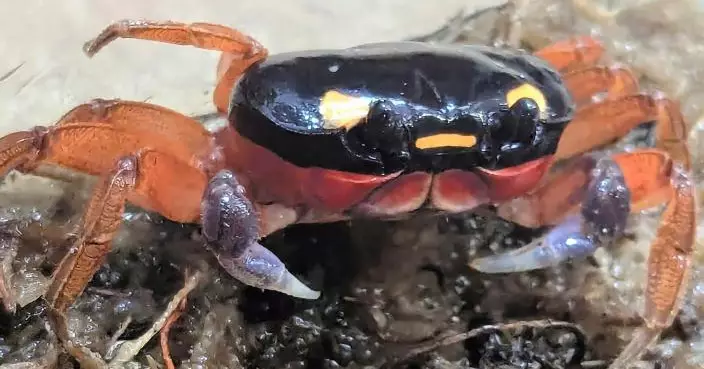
[{"x": 41, "y": 42}]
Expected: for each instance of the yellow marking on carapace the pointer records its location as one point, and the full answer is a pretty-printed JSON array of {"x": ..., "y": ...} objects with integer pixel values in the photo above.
[
  {"x": 342, "y": 111},
  {"x": 527, "y": 91},
  {"x": 446, "y": 140}
]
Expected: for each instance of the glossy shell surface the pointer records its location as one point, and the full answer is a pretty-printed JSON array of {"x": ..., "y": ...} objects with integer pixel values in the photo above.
[{"x": 403, "y": 107}]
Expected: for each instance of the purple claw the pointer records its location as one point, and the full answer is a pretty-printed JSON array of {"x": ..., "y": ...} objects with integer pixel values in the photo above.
[
  {"x": 605, "y": 210},
  {"x": 230, "y": 227}
]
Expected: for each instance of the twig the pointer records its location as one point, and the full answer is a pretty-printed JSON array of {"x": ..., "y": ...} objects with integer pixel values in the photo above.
[
  {"x": 8, "y": 252},
  {"x": 129, "y": 349},
  {"x": 164, "y": 335},
  {"x": 120, "y": 331},
  {"x": 453, "y": 337},
  {"x": 11, "y": 72},
  {"x": 454, "y": 26},
  {"x": 106, "y": 292}
]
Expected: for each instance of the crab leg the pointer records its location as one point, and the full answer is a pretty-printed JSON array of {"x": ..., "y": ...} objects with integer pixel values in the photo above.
[
  {"x": 600, "y": 220},
  {"x": 239, "y": 50},
  {"x": 100, "y": 222},
  {"x": 604, "y": 122},
  {"x": 151, "y": 179},
  {"x": 94, "y": 148},
  {"x": 670, "y": 258},
  {"x": 651, "y": 177},
  {"x": 615, "y": 81},
  {"x": 669, "y": 266},
  {"x": 231, "y": 230},
  {"x": 572, "y": 54},
  {"x": 142, "y": 118},
  {"x": 671, "y": 131}
]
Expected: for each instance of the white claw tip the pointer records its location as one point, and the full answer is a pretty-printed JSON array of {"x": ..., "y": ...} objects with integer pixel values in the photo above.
[
  {"x": 494, "y": 265},
  {"x": 292, "y": 286}
]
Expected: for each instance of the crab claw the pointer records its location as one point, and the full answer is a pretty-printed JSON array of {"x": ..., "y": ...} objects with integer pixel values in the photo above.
[
  {"x": 564, "y": 242},
  {"x": 259, "y": 267},
  {"x": 230, "y": 227},
  {"x": 602, "y": 219}
]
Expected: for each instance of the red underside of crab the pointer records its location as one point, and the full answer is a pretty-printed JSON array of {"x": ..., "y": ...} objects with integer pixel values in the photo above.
[{"x": 273, "y": 180}]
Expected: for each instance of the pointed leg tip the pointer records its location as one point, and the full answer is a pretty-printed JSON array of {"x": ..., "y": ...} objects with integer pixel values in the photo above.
[{"x": 643, "y": 338}]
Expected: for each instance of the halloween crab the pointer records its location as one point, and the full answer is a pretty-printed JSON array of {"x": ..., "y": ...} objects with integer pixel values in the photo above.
[{"x": 381, "y": 130}]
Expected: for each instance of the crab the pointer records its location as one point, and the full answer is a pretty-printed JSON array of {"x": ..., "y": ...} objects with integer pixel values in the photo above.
[{"x": 383, "y": 130}]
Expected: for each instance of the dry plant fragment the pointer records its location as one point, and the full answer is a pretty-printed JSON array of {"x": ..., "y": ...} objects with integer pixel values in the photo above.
[
  {"x": 126, "y": 350},
  {"x": 129, "y": 349},
  {"x": 8, "y": 251},
  {"x": 453, "y": 338},
  {"x": 164, "y": 335}
]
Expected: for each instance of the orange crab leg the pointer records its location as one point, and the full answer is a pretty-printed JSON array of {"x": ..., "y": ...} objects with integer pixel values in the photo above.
[
  {"x": 670, "y": 258},
  {"x": 94, "y": 148},
  {"x": 239, "y": 50},
  {"x": 669, "y": 262},
  {"x": 651, "y": 177},
  {"x": 604, "y": 122},
  {"x": 100, "y": 222},
  {"x": 615, "y": 81},
  {"x": 152, "y": 172},
  {"x": 140, "y": 118},
  {"x": 150, "y": 178},
  {"x": 671, "y": 131},
  {"x": 671, "y": 253},
  {"x": 572, "y": 54}
]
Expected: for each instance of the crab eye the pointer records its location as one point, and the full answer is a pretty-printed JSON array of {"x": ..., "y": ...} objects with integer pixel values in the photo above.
[
  {"x": 517, "y": 133},
  {"x": 527, "y": 91},
  {"x": 383, "y": 135},
  {"x": 517, "y": 126},
  {"x": 525, "y": 110}
]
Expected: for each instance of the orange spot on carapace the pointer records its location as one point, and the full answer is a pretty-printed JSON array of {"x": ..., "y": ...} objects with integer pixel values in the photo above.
[{"x": 446, "y": 140}]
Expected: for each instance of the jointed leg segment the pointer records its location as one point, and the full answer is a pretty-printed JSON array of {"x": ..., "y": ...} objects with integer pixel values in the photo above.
[
  {"x": 587, "y": 201},
  {"x": 572, "y": 54},
  {"x": 100, "y": 222},
  {"x": 239, "y": 50},
  {"x": 149, "y": 156},
  {"x": 161, "y": 155},
  {"x": 183, "y": 135},
  {"x": 614, "y": 81}
]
